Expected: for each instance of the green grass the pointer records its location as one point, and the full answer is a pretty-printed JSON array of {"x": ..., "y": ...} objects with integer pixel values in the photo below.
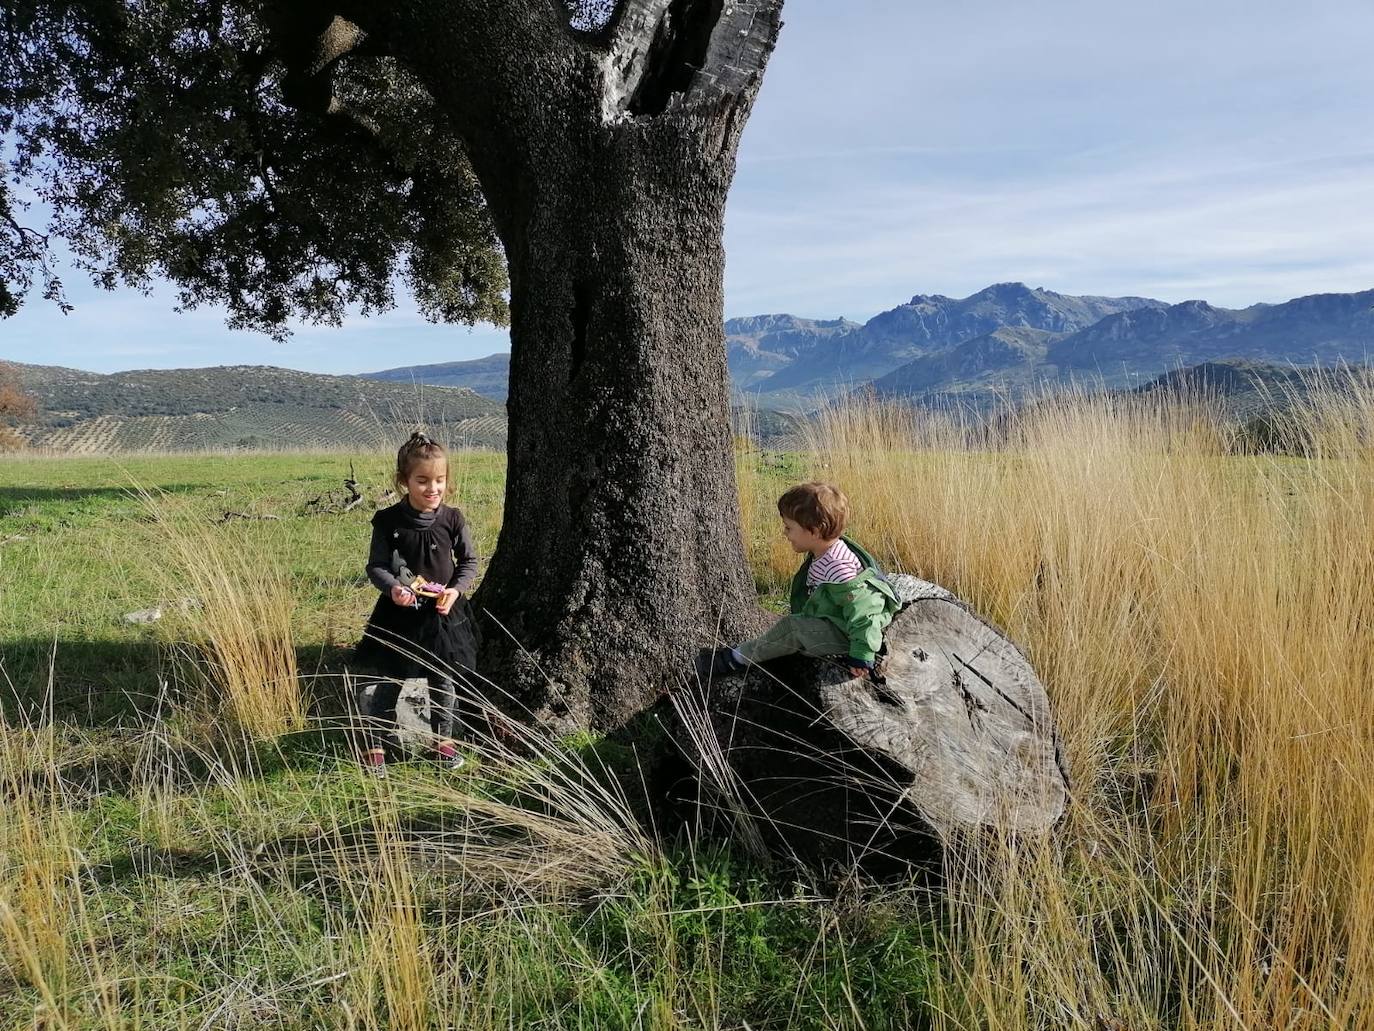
[
  {"x": 239, "y": 886},
  {"x": 78, "y": 550}
]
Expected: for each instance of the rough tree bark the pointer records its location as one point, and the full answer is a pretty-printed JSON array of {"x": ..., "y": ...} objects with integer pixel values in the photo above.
[{"x": 605, "y": 162}]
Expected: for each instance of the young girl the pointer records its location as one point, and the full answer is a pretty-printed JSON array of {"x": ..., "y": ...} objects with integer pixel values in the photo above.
[{"x": 422, "y": 537}]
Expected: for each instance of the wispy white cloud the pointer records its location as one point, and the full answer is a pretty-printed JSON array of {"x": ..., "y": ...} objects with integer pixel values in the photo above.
[
  {"x": 1232, "y": 229},
  {"x": 1175, "y": 149},
  {"x": 1182, "y": 150}
]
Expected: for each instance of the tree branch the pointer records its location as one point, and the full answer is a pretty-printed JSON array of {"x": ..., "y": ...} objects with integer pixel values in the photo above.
[
  {"x": 475, "y": 39},
  {"x": 31, "y": 240},
  {"x": 339, "y": 38},
  {"x": 503, "y": 73},
  {"x": 743, "y": 40},
  {"x": 310, "y": 41}
]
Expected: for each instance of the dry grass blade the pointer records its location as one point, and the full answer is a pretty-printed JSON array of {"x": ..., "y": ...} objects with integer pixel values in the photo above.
[
  {"x": 234, "y": 615},
  {"x": 1202, "y": 619}
]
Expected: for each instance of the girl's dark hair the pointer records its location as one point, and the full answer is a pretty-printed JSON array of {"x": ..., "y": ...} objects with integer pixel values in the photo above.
[{"x": 417, "y": 449}]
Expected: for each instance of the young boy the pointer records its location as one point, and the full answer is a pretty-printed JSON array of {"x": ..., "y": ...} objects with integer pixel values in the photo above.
[{"x": 840, "y": 601}]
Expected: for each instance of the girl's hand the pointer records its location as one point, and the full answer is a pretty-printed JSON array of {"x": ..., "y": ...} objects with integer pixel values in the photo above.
[
  {"x": 402, "y": 596},
  {"x": 446, "y": 600},
  {"x": 860, "y": 672}
]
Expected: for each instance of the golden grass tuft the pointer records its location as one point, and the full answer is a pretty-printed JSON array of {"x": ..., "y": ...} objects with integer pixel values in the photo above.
[{"x": 231, "y": 603}]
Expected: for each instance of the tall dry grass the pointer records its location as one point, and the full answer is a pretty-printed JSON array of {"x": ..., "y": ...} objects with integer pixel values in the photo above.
[
  {"x": 1202, "y": 619},
  {"x": 1205, "y": 625},
  {"x": 230, "y": 608},
  {"x": 47, "y": 936}
]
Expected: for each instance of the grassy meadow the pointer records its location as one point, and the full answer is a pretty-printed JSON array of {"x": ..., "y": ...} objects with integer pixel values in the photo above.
[{"x": 185, "y": 842}]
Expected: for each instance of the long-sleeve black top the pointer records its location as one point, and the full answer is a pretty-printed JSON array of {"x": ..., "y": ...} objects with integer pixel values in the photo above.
[{"x": 435, "y": 545}]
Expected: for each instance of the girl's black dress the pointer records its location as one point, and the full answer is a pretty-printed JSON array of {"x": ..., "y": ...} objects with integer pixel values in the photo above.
[{"x": 400, "y": 642}]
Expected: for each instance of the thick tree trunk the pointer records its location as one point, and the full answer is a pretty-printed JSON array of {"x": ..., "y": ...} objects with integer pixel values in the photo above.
[
  {"x": 605, "y": 160},
  {"x": 620, "y": 549}
]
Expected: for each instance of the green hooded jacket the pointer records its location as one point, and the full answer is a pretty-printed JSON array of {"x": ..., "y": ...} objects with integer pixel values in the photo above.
[{"x": 861, "y": 606}]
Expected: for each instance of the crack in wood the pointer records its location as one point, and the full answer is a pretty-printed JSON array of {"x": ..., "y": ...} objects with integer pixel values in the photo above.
[
  {"x": 1005, "y": 697},
  {"x": 972, "y": 703},
  {"x": 886, "y": 695}
]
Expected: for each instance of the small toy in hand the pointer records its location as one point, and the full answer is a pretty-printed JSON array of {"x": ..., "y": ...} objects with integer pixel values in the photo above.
[
  {"x": 427, "y": 588},
  {"x": 417, "y": 585}
]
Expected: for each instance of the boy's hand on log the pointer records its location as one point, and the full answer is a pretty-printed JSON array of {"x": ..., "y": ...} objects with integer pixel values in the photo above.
[
  {"x": 446, "y": 600},
  {"x": 859, "y": 672},
  {"x": 402, "y": 596}
]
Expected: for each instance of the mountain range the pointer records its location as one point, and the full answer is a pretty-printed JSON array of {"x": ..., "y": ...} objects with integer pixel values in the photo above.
[
  {"x": 1003, "y": 341},
  {"x": 1008, "y": 341}
]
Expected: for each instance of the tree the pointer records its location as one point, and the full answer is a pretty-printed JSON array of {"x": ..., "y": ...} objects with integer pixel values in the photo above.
[
  {"x": 15, "y": 406},
  {"x": 287, "y": 159}
]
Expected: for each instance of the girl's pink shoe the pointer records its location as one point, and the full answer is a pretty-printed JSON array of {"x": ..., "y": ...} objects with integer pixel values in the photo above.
[{"x": 374, "y": 762}]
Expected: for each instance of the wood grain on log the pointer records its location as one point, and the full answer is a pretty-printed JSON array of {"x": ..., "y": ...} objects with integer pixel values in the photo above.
[{"x": 963, "y": 710}]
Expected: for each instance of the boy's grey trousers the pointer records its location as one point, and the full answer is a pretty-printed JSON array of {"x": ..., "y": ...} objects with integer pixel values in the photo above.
[{"x": 808, "y": 635}]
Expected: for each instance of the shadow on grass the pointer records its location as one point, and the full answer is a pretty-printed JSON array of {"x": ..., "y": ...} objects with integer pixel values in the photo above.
[
  {"x": 107, "y": 699},
  {"x": 15, "y": 497},
  {"x": 120, "y": 683},
  {"x": 307, "y": 857}
]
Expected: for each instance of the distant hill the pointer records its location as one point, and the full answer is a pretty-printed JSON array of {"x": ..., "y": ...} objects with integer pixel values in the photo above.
[
  {"x": 1247, "y": 389},
  {"x": 1234, "y": 378},
  {"x": 487, "y": 376},
  {"x": 247, "y": 406},
  {"x": 762, "y": 345},
  {"x": 1009, "y": 360}
]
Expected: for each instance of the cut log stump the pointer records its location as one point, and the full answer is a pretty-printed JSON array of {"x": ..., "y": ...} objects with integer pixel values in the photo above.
[{"x": 958, "y": 738}]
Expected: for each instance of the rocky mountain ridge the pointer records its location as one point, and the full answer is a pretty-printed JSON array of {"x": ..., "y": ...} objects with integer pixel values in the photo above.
[{"x": 1004, "y": 340}]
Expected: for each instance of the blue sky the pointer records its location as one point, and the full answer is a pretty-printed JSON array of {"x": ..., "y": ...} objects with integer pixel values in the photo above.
[{"x": 1215, "y": 150}]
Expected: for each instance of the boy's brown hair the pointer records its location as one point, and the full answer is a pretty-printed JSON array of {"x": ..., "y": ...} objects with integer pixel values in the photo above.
[
  {"x": 821, "y": 508},
  {"x": 417, "y": 449}
]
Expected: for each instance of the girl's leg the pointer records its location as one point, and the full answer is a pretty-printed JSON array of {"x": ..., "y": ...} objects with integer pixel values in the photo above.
[
  {"x": 380, "y": 719},
  {"x": 442, "y": 714},
  {"x": 443, "y": 718},
  {"x": 793, "y": 635}
]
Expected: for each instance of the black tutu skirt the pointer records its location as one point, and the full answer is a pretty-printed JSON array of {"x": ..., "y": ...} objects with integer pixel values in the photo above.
[{"x": 405, "y": 642}]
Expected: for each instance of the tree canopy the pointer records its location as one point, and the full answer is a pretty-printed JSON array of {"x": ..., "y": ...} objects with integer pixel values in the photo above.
[{"x": 220, "y": 144}]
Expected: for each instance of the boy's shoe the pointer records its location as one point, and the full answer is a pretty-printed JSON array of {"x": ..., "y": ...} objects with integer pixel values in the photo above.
[
  {"x": 717, "y": 662},
  {"x": 374, "y": 763}
]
